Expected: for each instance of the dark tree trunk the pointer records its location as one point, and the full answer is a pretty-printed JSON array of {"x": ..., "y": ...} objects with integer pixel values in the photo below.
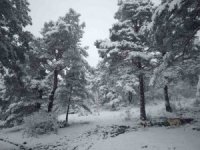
[
  {"x": 68, "y": 106},
  {"x": 130, "y": 97},
  {"x": 55, "y": 85},
  {"x": 40, "y": 93},
  {"x": 67, "y": 113},
  {"x": 166, "y": 95},
  {"x": 142, "y": 96},
  {"x": 167, "y": 103}
]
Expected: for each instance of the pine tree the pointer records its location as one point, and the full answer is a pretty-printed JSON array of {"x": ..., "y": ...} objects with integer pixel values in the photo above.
[
  {"x": 114, "y": 87},
  {"x": 75, "y": 85},
  {"x": 36, "y": 67},
  {"x": 14, "y": 47},
  {"x": 175, "y": 26},
  {"x": 14, "y": 43},
  {"x": 128, "y": 43},
  {"x": 73, "y": 91},
  {"x": 61, "y": 37}
]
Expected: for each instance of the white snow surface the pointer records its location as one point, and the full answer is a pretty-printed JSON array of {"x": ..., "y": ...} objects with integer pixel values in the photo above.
[{"x": 95, "y": 132}]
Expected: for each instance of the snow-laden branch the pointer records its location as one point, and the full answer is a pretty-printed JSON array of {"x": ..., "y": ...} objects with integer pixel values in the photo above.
[
  {"x": 161, "y": 68},
  {"x": 143, "y": 55}
]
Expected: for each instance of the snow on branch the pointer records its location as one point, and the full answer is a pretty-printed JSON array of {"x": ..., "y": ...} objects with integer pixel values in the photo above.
[
  {"x": 108, "y": 44},
  {"x": 143, "y": 55},
  {"x": 170, "y": 6},
  {"x": 59, "y": 25},
  {"x": 160, "y": 69}
]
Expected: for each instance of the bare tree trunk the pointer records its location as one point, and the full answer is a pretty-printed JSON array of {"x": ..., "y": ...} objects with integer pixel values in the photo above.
[
  {"x": 55, "y": 85},
  {"x": 130, "y": 97},
  {"x": 68, "y": 106},
  {"x": 67, "y": 113},
  {"x": 167, "y": 103},
  {"x": 142, "y": 96}
]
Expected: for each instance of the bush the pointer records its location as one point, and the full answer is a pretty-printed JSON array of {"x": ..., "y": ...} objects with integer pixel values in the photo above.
[{"x": 40, "y": 123}]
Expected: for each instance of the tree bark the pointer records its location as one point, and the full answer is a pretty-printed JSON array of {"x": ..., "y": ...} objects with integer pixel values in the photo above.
[
  {"x": 68, "y": 106},
  {"x": 166, "y": 95},
  {"x": 142, "y": 96},
  {"x": 167, "y": 103},
  {"x": 55, "y": 85},
  {"x": 67, "y": 113},
  {"x": 130, "y": 97}
]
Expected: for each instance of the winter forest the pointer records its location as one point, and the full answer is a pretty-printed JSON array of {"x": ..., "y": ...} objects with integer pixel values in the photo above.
[{"x": 144, "y": 94}]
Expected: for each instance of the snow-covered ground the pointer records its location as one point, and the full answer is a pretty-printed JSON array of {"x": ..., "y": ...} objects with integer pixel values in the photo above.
[{"x": 113, "y": 130}]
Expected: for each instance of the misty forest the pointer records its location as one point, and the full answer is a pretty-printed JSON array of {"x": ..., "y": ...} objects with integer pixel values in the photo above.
[{"x": 144, "y": 94}]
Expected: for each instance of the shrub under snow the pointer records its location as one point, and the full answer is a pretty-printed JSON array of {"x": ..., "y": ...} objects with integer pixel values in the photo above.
[{"x": 40, "y": 123}]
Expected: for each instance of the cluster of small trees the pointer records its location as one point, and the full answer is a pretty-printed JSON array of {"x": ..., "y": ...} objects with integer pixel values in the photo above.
[
  {"x": 156, "y": 44},
  {"x": 35, "y": 71}
]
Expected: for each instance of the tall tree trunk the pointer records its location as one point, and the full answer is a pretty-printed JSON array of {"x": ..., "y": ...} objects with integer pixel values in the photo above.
[
  {"x": 142, "y": 96},
  {"x": 68, "y": 106},
  {"x": 167, "y": 103},
  {"x": 130, "y": 97},
  {"x": 67, "y": 113},
  {"x": 55, "y": 85}
]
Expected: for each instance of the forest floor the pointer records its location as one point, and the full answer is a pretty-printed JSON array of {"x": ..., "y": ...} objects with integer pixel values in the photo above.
[{"x": 115, "y": 130}]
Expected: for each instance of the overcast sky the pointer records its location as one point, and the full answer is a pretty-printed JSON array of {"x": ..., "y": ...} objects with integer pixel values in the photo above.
[{"x": 97, "y": 14}]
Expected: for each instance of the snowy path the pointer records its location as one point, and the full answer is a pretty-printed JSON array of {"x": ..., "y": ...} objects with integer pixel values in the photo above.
[{"x": 110, "y": 131}]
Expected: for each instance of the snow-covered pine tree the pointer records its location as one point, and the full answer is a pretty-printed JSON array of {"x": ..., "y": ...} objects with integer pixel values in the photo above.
[
  {"x": 14, "y": 46},
  {"x": 128, "y": 42},
  {"x": 73, "y": 91},
  {"x": 100, "y": 83},
  {"x": 175, "y": 26},
  {"x": 115, "y": 87},
  {"x": 61, "y": 37},
  {"x": 36, "y": 67}
]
